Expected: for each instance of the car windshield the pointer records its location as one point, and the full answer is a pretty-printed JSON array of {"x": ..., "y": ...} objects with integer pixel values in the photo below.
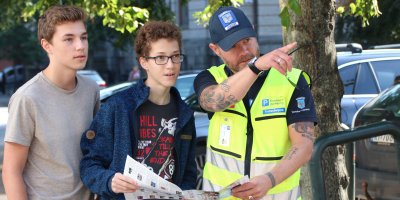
[
  {"x": 184, "y": 84},
  {"x": 387, "y": 102},
  {"x": 107, "y": 92}
]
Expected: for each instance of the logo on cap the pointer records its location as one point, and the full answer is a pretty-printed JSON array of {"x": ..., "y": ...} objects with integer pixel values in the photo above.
[{"x": 228, "y": 20}]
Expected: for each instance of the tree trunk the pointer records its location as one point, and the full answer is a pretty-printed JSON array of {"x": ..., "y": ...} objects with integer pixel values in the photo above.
[{"x": 315, "y": 29}]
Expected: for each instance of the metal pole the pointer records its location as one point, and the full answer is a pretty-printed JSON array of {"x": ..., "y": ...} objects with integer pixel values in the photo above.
[
  {"x": 255, "y": 17},
  {"x": 354, "y": 172},
  {"x": 341, "y": 137}
]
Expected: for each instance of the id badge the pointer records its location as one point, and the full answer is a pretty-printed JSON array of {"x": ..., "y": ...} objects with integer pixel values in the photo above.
[{"x": 224, "y": 135}]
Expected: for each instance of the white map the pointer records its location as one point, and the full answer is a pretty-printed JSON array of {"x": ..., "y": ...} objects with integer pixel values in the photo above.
[{"x": 154, "y": 187}]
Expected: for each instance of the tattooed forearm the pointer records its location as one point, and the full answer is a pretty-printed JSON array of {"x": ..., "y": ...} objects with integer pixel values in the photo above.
[
  {"x": 290, "y": 153},
  {"x": 208, "y": 95},
  {"x": 224, "y": 86},
  {"x": 225, "y": 102},
  {"x": 230, "y": 100},
  {"x": 306, "y": 129},
  {"x": 216, "y": 101}
]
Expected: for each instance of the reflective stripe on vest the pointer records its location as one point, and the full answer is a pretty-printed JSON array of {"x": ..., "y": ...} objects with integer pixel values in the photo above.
[
  {"x": 225, "y": 162},
  {"x": 226, "y": 141}
]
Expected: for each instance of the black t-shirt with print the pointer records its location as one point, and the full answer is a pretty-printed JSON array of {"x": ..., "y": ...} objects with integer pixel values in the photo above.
[{"x": 156, "y": 137}]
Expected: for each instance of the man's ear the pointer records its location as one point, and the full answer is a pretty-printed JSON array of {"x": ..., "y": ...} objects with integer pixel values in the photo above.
[
  {"x": 46, "y": 45},
  {"x": 215, "y": 48}
]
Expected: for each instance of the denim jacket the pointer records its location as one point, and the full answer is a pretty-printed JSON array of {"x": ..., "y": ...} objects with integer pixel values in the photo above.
[{"x": 113, "y": 135}]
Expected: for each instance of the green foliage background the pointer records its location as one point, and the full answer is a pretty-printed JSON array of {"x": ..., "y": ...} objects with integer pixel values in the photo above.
[
  {"x": 115, "y": 21},
  {"x": 384, "y": 29}
]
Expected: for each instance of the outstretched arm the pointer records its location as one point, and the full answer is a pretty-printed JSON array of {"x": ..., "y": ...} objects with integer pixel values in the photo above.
[{"x": 218, "y": 97}]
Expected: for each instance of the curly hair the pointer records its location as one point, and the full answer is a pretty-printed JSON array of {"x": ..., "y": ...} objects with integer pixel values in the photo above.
[
  {"x": 153, "y": 31},
  {"x": 57, "y": 15}
]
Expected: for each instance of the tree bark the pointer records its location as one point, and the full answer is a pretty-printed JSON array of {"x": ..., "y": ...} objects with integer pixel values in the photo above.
[{"x": 314, "y": 28}]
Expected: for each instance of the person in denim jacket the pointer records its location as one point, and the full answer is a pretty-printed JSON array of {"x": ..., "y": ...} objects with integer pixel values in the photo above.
[{"x": 148, "y": 122}]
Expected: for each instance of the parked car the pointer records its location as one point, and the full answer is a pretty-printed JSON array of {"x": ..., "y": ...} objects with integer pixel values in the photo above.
[
  {"x": 106, "y": 93},
  {"x": 94, "y": 75},
  {"x": 376, "y": 161},
  {"x": 364, "y": 74},
  {"x": 13, "y": 74},
  {"x": 185, "y": 84},
  {"x": 12, "y": 77}
]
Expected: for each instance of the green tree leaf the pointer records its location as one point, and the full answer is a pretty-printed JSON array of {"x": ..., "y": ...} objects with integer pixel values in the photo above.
[
  {"x": 112, "y": 11},
  {"x": 203, "y": 17},
  {"x": 285, "y": 17},
  {"x": 340, "y": 10},
  {"x": 353, "y": 8},
  {"x": 295, "y": 6}
]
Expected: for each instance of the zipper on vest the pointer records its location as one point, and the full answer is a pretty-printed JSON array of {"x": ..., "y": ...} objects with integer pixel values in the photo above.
[
  {"x": 235, "y": 112},
  {"x": 226, "y": 152},
  {"x": 249, "y": 142},
  {"x": 249, "y": 147},
  {"x": 269, "y": 117},
  {"x": 268, "y": 158}
]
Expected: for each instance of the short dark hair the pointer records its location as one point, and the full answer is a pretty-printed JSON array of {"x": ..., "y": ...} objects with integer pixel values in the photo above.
[
  {"x": 152, "y": 31},
  {"x": 57, "y": 15}
]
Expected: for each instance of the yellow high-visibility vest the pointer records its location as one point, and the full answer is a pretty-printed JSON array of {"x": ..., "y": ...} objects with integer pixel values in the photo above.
[{"x": 227, "y": 136}]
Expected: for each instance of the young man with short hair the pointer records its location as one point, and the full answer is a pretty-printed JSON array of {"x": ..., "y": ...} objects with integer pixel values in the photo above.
[{"x": 48, "y": 114}]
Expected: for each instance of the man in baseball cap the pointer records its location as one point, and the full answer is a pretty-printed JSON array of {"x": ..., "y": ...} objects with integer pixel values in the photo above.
[
  {"x": 260, "y": 124},
  {"x": 229, "y": 25}
]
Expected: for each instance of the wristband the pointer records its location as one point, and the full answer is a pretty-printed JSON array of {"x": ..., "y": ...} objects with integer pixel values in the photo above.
[
  {"x": 253, "y": 67},
  {"x": 271, "y": 178}
]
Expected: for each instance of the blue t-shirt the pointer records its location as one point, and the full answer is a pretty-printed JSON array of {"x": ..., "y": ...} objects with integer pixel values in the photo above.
[{"x": 294, "y": 113}]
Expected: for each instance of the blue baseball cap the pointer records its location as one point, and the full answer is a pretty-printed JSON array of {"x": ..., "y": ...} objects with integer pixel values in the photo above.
[{"x": 228, "y": 25}]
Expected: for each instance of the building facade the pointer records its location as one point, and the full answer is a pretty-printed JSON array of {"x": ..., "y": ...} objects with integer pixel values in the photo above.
[{"x": 114, "y": 64}]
